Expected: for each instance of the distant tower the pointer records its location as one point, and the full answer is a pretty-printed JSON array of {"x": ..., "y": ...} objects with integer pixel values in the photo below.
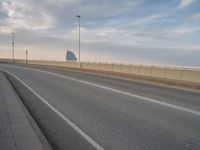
[{"x": 70, "y": 56}]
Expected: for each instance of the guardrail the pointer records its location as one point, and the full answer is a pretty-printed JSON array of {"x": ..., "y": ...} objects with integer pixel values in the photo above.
[{"x": 164, "y": 72}]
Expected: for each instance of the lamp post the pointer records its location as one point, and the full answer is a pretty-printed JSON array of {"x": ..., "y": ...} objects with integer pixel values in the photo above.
[
  {"x": 79, "y": 52},
  {"x": 13, "y": 45}
]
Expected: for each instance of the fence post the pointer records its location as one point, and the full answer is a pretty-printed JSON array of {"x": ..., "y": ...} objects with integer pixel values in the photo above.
[
  {"x": 129, "y": 68},
  {"x": 151, "y": 69},
  {"x": 165, "y": 73},
  {"x": 181, "y": 73},
  {"x": 140, "y": 69}
]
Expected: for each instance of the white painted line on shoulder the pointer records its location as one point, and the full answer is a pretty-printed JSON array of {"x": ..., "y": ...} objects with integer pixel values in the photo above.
[{"x": 75, "y": 127}]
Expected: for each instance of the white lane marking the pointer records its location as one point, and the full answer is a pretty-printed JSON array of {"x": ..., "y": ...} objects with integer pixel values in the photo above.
[
  {"x": 123, "y": 92},
  {"x": 119, "y": 91},
  {"x": 75, "y": 127}
]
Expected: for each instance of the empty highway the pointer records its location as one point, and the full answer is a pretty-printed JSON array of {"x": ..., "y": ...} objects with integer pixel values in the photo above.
[{"x": 78, "y": 110}]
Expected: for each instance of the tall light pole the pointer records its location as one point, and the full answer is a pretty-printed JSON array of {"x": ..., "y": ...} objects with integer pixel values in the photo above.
[
  {"x": 13, "y": 45},
  {"x": 79, "y": 52}
]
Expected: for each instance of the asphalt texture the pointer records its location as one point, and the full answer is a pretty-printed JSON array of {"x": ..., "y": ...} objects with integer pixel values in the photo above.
[{"x": 116, "y": 121}]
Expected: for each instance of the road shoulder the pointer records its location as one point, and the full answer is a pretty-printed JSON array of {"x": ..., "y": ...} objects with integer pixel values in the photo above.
[{"x": 16, "y": 125}]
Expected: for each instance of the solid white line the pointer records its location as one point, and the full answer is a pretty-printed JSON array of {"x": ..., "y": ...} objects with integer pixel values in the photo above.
[
  {"x": 75, "y": 127},
  {"x": 124, "y": 93},
  {"x": 119, "y": 91}
]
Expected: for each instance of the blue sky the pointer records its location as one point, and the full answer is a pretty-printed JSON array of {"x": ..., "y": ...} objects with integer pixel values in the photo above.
[{"x": 122, "y": 31}]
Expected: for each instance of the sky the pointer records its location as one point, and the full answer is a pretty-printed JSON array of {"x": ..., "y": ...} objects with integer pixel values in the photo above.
[{"x": 164, "y": 32}]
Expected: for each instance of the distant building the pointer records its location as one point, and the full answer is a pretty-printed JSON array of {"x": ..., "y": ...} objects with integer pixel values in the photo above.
[{"x": 70, "y": 56}]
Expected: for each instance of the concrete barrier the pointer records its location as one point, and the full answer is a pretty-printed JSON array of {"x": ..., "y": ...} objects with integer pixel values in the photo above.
[
  {"x": 116, "y": 68},
  {"x": 135, "y": 69},
  {"x": 96, "y": 66},
  {"x": 125, "y": 68},
  {"x": 20, "y": 61},
  {"x": 190, "y": 75},
  {"x": 84, "y": 65},
  {"x": 5, "y": 60},
  {"x": 89, "y": 66},
  {"x": 72, "y": 64},
  {"x": 174, "y": 73},
  {"x": 158, "y": 72},
  {"x": 145, "y": 70},
  {"x": 101, "y": 66},
  {"x": 108, "y": 67}
]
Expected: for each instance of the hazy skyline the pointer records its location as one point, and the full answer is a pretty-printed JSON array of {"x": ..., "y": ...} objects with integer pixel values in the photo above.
[{"x": 122, "y": 31}]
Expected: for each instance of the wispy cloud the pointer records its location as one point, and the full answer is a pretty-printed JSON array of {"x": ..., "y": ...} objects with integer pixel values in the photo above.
[
  {"x": 186, "y": 3},
  {"x": 196, "y": 16},
  {"x": 26, "y": 15},
  {"x": 109, "y": 28}
]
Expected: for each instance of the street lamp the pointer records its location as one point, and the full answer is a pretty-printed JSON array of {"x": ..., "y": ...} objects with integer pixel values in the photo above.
[
  {"x": 79, "y": 55},
  {"x": 13, "y": 45}
]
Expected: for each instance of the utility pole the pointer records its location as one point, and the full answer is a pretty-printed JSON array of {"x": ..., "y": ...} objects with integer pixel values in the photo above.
[
  {"x": 79, "y": 52},
  {"x": 13, "y": 46},
  {"x": 26, "y": 56}
]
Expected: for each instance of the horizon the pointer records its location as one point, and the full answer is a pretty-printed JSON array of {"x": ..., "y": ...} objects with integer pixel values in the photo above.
[{"x": 131, "y": 31}]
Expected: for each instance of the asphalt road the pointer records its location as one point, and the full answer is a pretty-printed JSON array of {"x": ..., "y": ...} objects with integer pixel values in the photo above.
[{"x": 118, "y": 114}]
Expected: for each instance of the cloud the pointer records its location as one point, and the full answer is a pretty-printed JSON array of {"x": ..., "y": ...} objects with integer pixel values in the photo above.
[
  {"x": 5, "y": 29},
  {"x": 109, "y": 28},
  {"x": 186, "y": 3},
  {"x": 39, "y": 15},
  {"x": 185, "y": 30},
  {"x": 196, "y": 16},
  {"x": 26, "y": 14}
]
